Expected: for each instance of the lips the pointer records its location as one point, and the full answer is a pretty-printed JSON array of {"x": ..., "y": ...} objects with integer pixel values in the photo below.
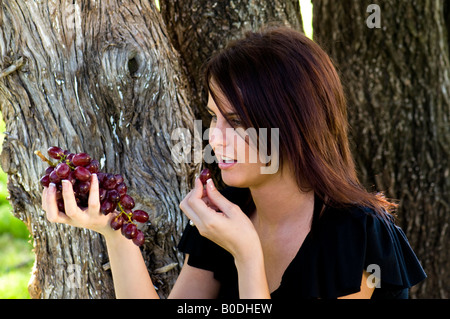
[
  {"x": 225, "y": 159},
  {"x": 225, "y": 162}
]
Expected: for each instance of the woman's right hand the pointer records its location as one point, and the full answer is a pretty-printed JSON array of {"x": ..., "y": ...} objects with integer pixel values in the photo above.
[{"x": 90, "y": 218}]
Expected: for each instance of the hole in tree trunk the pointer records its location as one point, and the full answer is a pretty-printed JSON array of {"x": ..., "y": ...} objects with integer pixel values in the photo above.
[{"x": 133, "y": 66}]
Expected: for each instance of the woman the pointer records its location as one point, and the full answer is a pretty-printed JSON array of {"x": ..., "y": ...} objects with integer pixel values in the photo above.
[{"x": 306, "y": 230}]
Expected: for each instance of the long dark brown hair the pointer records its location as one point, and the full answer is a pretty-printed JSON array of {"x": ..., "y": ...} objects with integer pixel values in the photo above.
[{"x": 278, "y": 78}]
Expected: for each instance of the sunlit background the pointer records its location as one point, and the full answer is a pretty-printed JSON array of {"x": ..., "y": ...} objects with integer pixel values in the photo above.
[{"x": 16, "y": 255}]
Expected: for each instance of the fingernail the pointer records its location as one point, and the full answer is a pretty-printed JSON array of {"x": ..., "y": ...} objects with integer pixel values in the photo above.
[
  {"x": 65, "y": 183},
  {"x": 210, "y": 183},
  {"x": 52, "y": 185}
]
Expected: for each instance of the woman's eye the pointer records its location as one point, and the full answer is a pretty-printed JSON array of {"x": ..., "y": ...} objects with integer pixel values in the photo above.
[{"x": 236, "y": 122}]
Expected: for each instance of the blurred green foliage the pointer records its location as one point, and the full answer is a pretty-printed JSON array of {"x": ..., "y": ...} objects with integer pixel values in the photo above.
[{"x": 16, "y": 256}]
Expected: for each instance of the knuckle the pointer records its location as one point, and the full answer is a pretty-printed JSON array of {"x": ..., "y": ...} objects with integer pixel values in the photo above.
[
  {"x": 70, "y": 212},
  {"x": 190, "y": 201},
  {"x": 52, "y": 218},
  {"x": 182, "y": 204}
]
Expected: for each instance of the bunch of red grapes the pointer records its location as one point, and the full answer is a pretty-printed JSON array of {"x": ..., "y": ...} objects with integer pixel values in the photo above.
[{"x": 78, "y": 168}]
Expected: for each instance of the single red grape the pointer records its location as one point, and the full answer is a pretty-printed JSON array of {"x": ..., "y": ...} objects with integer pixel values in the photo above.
[
  {"x": 113, "y": 196},
  {"x": 93, "y": 166},
  {"x": 205, "y": 175},
  {"x": 107, "y": 207},
  {"x": 45, "y": 180},
  {"x": 81, "y": 159},
  {"x": 54, "y": 178},
  {"x": 82, "y": 174},
  {"x": 122, "y": 189},
  {"x": 127, "y": 201},
  {"x": 140, "y": 216},
  {"x": 119, "y": 179},
  {"x": 84, "y": 187},
  {"x": 55, "y": 152},
  {"x": 139, "y": 239},
  {"x": 109, "y": 181},
  {"x": 62, "y": 170},
  {"x": 129, "y": 230},
  {"x": 117, "y": 222}
]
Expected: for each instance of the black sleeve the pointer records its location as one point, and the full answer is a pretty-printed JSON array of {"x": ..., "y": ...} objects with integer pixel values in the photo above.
[
  {"x": 203, "y": 253},
  {"x": 387, "y": 247}
]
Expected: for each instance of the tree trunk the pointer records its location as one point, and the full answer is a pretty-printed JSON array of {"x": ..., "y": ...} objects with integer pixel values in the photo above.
[
  {"x": 100, "y": 77},
  {"x": 199, "y": 28},
  {"x": 397, "y": 78}
]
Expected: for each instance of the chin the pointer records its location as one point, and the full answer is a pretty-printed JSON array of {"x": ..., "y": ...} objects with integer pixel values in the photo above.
[
  {"x": 239, "y": 178},
  {"x": 230, "y": 181},
  {"x": 234, "y": 179}
]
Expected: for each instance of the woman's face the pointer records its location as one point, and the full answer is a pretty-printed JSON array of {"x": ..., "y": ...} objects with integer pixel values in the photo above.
[{"x": 237, "y": 156}]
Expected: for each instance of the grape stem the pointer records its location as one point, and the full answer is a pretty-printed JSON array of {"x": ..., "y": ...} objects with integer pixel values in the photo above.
[
  {"x": 123, "y": 212},
  {"x": 44, "y": 159},
  {"x": 68, "y": 163}
]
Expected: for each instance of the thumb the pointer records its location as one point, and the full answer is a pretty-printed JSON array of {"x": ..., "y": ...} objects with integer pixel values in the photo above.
[{"x": 218, "y": 199}]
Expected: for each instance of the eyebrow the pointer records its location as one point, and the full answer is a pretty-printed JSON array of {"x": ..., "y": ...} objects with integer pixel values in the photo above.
[{"x": 227, "y": 114}]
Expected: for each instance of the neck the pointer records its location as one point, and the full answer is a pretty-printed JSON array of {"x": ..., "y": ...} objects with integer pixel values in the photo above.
[{"x": 281, "y": 202}]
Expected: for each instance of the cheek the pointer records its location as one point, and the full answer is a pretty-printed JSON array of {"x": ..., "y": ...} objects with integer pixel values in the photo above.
[
  {"x": 246, "y": 152},
  {"x": 214, "y": 134}
]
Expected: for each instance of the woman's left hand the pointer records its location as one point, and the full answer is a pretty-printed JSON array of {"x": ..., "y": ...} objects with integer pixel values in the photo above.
[{"x": 220, "y": 220}]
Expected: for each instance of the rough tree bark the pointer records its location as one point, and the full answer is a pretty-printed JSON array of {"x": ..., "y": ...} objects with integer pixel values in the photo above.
[
  {"x": 397, "y": 80},
  {"x": 199, "y": 28},
  {"x": 100, "y": 77}
]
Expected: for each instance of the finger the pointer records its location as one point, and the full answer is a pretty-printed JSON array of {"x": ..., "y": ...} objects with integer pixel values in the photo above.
[
  {"x": 70, "y": 204},
  {"x": 51, "y": 208},
  {"x": 198, "y": 190},
  {"x": 43, "y": 199},
  {"x": 199, "y": 207},
  {"x": 49, "y": 202},
  {"x": 188, "y": 202},
  {"x": 210, "y": 204},
  {"x": 94, "y": 196},
  {"x": 197, "y": 193},
  {"x": 217, "y": 199}
]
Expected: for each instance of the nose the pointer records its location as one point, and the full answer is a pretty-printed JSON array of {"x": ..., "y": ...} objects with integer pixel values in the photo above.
[
  {"x": 217, "y": 134},
  {"x": 216, "y": 138}
]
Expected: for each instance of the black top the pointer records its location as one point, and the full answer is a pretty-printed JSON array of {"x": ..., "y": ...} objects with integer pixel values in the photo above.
[{"x": 330, "y": 262}]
